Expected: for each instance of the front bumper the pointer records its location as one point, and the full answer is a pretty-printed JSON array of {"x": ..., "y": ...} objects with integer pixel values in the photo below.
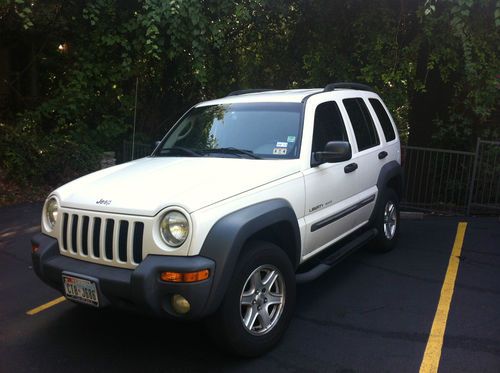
[{"x": 139, "y": 289}]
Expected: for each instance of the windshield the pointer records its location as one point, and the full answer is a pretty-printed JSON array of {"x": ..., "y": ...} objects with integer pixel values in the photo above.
[{"x": 250, "y": 130}]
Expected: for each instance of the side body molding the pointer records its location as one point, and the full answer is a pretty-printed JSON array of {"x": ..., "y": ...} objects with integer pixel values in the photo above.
[
  {"x": 225, "y": 240},
  {"x": 390, "y": 172}
]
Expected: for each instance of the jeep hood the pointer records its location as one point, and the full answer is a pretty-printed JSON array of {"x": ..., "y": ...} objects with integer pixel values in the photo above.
[{"x": 146, "y": 186}]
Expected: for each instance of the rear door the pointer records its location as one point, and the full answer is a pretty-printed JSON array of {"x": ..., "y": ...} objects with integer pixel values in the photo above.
[{"x": 368, "y": 147}]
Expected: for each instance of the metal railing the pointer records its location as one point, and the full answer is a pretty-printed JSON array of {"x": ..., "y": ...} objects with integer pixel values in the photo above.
[
  {"x": 484, "y": 193},
  {"x": 450, "y": 181},
  {"x": 436, "y": 179},
  {"x": 439, "y": 180},
  {"x": 140, "y": 150}
]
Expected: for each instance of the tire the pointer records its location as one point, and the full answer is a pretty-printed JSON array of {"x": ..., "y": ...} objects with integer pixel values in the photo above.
[
  {"x": 387, "y": 221},
  {"x": 248, "y": 295}
]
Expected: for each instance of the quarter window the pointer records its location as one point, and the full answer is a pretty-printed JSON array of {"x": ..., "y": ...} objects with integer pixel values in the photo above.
[
  {"x": 328, "y": 125},
  {"x": 384, "y": 119},
  {"x": 362, "y": 123}
]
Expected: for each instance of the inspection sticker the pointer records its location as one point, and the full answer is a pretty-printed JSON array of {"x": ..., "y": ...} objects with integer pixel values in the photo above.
[
  {"x": 281, "y": 144},
  {"x": 291, "y": 139},
  {"x": 279, "y": 151}
]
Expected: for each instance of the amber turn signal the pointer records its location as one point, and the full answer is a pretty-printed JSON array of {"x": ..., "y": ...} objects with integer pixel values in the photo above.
[
  {"x": 185, "y": 277},
  {"x": 34, "y": 247}
]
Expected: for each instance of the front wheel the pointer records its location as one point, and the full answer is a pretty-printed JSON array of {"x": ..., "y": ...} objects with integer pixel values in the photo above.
[
  {"x": 259, "y": 302},
  {"x": 387, "y": 222}
]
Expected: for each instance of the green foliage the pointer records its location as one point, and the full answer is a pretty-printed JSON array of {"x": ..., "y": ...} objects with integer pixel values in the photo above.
[
  {"x": 378, "y": 57},
  {"x": 463, "y": 38},
  {"x": 23, "y": 10},
  {"x": 41, "y": 159},
  {"x": 182, "y": 51}
]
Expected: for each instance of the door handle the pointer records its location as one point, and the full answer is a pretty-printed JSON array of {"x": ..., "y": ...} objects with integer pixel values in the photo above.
[
  {"x": 350, "y": 167},
  {"x": 382, "y": 155}
]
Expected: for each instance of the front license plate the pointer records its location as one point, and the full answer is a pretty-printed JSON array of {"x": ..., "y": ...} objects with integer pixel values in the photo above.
[{"x": 81, "y": 290}]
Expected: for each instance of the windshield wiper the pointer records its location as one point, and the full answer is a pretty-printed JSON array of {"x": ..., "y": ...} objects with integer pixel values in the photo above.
[
  {"x": 235, "y": 151},
  {"x": 180, "y": 149}
]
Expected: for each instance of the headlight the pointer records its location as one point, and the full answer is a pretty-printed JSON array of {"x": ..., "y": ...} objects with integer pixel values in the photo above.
[
  {"x": 174, "y": 228},
  {"x": 51, "y": 210}
]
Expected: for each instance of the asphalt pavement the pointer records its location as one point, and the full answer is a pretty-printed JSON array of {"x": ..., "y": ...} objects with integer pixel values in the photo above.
[{"x": 371, "y": 313}]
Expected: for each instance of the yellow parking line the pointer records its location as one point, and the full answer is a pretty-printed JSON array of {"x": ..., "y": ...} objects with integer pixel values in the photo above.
[
  {"x": 43, "y": 307},
  {"x": 432, "y": 354}
]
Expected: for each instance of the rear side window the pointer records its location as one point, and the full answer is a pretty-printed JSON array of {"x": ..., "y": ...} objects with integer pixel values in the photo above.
[
  {"x": 328, "y": 125},
  {"x": 384, "y": 119},
  {"x": 362, "y": 123}
]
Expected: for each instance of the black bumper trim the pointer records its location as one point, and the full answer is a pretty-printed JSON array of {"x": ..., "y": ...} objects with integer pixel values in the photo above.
[{"x": 139, "y": 289}]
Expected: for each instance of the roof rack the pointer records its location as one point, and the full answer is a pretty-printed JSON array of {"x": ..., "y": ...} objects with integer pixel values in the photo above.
[
  {"x": 244, "y": 91},
  {"x": 347, "y": 85}
]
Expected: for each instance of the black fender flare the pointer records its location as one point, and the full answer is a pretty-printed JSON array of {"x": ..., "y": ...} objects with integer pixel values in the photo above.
[
  {"x": 227, "y": 236},
  {"x": 388, "y": 172}
]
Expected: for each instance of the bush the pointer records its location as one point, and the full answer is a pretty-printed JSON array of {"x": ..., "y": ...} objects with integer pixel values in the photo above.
[{"x": 29, "y": 157}]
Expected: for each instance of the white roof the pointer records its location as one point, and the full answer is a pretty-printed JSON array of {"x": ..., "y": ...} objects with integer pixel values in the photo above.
[{"x": 291, "y": 95}]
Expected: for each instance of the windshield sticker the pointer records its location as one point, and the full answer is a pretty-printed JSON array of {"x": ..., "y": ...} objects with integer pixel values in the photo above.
[
  {"x": 291, "y": 139},
  {"x": 279, "y": 151},
  {"x": 281, "y": 144}
]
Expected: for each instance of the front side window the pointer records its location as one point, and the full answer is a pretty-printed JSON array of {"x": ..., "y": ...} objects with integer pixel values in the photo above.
[
  {"x": 328, "y": 125},
  {"x": 250, "y": 130},
  {"x": 362, "y": 123}
]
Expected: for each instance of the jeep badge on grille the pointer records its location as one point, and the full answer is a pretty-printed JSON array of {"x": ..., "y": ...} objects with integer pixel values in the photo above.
[{"x": 104, "y": 202}]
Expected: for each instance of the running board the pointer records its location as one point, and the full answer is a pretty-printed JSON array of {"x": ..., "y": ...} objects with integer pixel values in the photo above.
[{"x": 336, "y": 257}]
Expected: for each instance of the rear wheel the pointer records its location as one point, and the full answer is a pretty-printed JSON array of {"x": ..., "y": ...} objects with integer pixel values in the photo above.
[
  {"x": 387, "y": 222},
  {"x": 259, "y": 302}
]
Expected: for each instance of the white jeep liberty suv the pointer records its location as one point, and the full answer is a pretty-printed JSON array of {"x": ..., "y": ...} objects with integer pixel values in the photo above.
[{"x": 244, "y": 197}]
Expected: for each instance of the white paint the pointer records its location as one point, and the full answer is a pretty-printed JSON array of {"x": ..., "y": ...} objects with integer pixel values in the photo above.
[{"x": 206, "y": 189}]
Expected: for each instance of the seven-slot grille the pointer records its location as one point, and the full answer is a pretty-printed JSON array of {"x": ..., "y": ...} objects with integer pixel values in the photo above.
[{"x": 106, "y": 239}]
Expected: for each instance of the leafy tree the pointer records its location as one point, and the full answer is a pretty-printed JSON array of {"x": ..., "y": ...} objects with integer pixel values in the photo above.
[
  {"x": 434, "y": 62},
  {"x": 457, "y": 64}
]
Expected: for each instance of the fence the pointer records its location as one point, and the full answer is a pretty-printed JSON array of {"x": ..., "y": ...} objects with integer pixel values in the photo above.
[
  {"x": 451, "y": 181},
  {"x": 439, "y": 180},
  {"x": 485, "y": 184},
  {"x": 140, "y": 150}
]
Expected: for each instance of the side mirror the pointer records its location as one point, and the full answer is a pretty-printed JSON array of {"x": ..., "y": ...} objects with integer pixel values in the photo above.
[{"x": 335, "y": 151}]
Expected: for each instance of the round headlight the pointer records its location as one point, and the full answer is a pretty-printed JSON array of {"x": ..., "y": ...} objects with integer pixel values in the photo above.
[
  {"x": 51, "y": 209},
  {"x": 174, "y": 228}
]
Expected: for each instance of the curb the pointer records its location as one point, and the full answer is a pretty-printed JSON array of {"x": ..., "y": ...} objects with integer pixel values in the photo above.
[{"x": 411, "y": 215}]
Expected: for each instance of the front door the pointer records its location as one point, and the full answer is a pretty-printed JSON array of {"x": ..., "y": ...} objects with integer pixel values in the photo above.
[{"x": 329, "y": 188}]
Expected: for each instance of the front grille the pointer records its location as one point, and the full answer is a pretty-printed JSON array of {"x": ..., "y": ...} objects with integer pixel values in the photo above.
[{"x": 102, "y": 239}]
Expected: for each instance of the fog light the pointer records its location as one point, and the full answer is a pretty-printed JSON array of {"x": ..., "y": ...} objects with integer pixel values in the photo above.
[{"x": 180, "y": 304}]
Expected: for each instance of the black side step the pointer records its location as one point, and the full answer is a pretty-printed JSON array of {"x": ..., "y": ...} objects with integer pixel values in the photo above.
[{"x": 336, "y": 257}]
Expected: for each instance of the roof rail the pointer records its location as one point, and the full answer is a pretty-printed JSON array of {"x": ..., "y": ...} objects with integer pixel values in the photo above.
[
  {"x": 348, "y": 85},
  {"x": 244, "y": 91}
]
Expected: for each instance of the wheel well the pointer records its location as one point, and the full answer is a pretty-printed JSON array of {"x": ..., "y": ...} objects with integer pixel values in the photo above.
[
  {"x": 396, "y": 184},
  {"x": 281, "y": 234}
]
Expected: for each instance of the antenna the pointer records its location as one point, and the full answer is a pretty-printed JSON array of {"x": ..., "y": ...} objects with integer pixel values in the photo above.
[{"x": 135, "y": 117}]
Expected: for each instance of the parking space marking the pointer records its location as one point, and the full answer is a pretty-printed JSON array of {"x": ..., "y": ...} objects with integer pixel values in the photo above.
[
  {"x": 43, "y": 307},
  {"x": 432, "y": 354}
]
